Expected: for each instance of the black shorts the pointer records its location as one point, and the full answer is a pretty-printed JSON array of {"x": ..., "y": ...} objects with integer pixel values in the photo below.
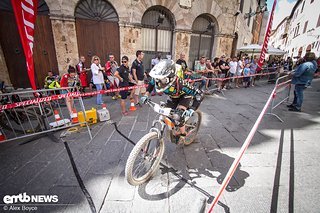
[
  {"x": 123, "y": 93},
  {"x": 183, "y": 101}
]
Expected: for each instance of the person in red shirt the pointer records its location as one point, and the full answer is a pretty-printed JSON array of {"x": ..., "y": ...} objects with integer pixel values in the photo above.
[
  {"x": 82, "y": 73},
  {"x": 111, "y": 68},
  {"x": 69, "y": 80}
]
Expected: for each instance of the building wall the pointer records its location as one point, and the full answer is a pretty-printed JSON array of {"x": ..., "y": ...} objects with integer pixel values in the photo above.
[
  {"x": 3, "y": 69},
  {"x": 303, "y": 39},
  {"x": 130, "y": 14},
  {"x": 277, "y": 38}
]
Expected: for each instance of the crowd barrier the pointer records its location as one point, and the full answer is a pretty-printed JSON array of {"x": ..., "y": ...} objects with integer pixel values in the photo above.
[
  {"x": 34, "y": 112},
  {"x": 281, "y": 94}
]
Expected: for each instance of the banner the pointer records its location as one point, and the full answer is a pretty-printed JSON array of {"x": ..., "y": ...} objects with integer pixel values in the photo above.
[
  {"x": 266, "y": 38},
  {"x": 25, "y": 13}
]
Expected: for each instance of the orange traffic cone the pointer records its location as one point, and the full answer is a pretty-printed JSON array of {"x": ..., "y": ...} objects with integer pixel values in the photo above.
[
  {"x": 132, "y": 105},
  {"x": 104, "y": 106},
  {"x": 2, "y": 137},
  {"x": 74, "y": 116},
  {"x": 56, "y": 115}
]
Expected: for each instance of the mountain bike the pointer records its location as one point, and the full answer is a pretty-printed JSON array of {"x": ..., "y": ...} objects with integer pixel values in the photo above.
[{"x": 146, "y": 155}]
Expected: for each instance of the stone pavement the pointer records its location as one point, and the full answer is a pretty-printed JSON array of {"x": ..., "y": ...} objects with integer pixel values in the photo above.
[{"x": 277, "y": 173}]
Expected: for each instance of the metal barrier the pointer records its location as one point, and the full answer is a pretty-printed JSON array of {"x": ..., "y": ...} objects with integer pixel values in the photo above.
[
  {"x": 282, "y": 94},
  {"x": 34, "y": 112}
]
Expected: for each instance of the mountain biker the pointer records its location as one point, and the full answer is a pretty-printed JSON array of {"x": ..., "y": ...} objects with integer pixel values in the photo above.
[{"x": 166, "y": 78}]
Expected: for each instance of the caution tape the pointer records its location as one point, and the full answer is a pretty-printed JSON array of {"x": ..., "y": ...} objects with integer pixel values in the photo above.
[
  {"x": 61, "y": 96},
  {"x": 228, "y": 78},
  {"x": 244, "y": 147}
]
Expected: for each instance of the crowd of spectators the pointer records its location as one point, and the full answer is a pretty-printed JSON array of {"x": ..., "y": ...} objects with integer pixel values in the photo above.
[{"x": 240, "y": 69}]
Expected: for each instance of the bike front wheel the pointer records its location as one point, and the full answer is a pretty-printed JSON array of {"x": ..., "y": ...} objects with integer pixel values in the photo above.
[
  {"x": 192, "y": 127},
  {"x": 144, "y": 159}
]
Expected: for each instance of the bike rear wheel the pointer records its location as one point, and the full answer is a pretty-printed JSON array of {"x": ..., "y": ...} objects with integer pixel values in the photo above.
[
  {"x": 22, "y": 121},
  {"x": 144, "y": 159},
  {"x": 192, "y": 127}
]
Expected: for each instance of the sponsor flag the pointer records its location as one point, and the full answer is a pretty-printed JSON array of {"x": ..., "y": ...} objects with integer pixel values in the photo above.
[
  {"x": 25, "y": 13},
  {"x": 266, "y": 38}
]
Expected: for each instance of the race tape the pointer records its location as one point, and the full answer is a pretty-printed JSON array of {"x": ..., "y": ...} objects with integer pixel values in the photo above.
[
  {"x": 228, "y": 78},
  {"x": 61, "y": 96},
  {"x": 241, "y": 152}
]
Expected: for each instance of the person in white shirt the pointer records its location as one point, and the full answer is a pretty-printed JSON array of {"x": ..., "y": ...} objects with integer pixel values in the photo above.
[
  {"x": 233, "y": 68},
  {"x": 241, "y": 65},
  {"x": 97, "y": 76}
]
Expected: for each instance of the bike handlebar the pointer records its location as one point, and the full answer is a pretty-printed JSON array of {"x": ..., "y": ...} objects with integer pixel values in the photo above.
[{"x": 160, "y": 109}]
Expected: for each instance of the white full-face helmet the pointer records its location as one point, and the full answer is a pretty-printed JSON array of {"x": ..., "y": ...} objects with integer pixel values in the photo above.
[{"x": 164, "y": 74}]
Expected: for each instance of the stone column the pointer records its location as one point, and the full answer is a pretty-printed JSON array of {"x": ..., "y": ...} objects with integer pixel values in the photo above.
[
  {"x": 65, "y": 42},
  {"x": 3, "y": 69},
  {"x": 182, "y": 43},
  {"x": 130, "y": 41},
  {"x": 223, "y": 45}
]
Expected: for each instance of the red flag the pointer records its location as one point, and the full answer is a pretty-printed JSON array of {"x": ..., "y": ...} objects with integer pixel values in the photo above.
[
  {"x": 25, "y": 13},
  {"x": 266, "y": 38}
]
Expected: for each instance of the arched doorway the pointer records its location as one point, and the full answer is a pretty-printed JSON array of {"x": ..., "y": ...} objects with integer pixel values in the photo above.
[
  {"x": 97, "y": 30},
  {"x": 202, "y": 38},
  {"x": 309, "y": 47},
  {"x": 157, "y": 33},
  {"x": 44, "y": 54},
  {"x": 300, "y": 52}
]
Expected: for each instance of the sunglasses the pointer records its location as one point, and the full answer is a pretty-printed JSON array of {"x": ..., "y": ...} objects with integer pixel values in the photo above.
[
  {"x": 96, "y": 59},
  {"x": 124, "y": 61}
]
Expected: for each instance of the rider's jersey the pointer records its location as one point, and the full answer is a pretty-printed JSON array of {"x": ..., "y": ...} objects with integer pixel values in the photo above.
[{"x": 178, "y": 88}]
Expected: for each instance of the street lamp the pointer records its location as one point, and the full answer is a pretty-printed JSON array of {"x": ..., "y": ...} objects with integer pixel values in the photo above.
[{"x": 260, "y": 9}]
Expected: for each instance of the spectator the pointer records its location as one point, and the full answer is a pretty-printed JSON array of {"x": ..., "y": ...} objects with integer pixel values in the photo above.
[
  {"x": 123, "y": 74},
  {"x": 154, "y": 62},
  {"x": 183, "y": 63},
  {"x": 215, "y": 65},
  {"x": 209, "y": 74},
  {"x": 233, "y": 68},
  {"x": 253, "y": 68},
  {"x": 200, "y": 69},
  {"x": 51, "y": 81},
  {"x": 224, "y": 67},
  {"x": 239, "y": 73},
  {"x": 97, "y": 76},
  {"x": 138, "y": 75},
  {"x": 302, "y": 78},
  {"x": 69, "y": 80},
  {"x": 111, "y": 67},
  {"x": 246, "y": 73},
  {"x": 82, "y": 73}
]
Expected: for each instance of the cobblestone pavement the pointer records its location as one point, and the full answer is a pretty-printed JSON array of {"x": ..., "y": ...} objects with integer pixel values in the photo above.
[{"x": 277, "y": 173}]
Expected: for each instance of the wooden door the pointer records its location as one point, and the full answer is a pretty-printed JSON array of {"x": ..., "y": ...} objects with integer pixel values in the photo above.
[
  {"x": 98, "y": 38},
  {"x": 13, "y": 51},
  {"x": 44, "y": 55}
]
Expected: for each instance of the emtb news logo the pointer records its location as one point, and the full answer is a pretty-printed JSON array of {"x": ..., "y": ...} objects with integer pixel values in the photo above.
[{"x": 24, "y": 198}]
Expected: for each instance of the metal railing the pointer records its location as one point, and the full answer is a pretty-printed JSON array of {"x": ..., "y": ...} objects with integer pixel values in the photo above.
[
  {"x": 281, "y": 94},
  {"x": 33, "y": 112}
]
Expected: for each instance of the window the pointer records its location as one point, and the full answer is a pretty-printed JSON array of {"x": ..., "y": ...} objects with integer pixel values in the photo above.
[
  {"x": 303, "y": 6},
  {"x": 311, "y": 1},
  {"x": 318, "y": 23},
  {"x": 249, "y": 19},
  {"x": 305, "y": 27}
]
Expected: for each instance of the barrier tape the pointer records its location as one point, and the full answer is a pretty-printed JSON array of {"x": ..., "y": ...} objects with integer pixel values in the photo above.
[
  {"x": 235, "y": 77},
  {"x": 61, "y": 96},
  {"x": 241, "y": 152}
]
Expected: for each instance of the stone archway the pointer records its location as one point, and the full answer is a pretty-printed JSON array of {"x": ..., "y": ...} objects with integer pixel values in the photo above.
[
  {"x": 202, "y": 37},
  {"x": 158, "y": 24},
  {"x": 97, "y": 29}
]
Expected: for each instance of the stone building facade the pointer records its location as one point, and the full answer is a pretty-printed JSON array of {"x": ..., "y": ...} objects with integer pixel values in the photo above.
[{"x": 210, "y": 23}]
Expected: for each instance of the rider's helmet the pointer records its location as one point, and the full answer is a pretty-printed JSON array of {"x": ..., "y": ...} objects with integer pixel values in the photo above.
[{"x": 164, "y": 74}]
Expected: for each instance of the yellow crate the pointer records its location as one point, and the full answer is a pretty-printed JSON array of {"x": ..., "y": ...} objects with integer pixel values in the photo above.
[{"x": 91, "y": 117}]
